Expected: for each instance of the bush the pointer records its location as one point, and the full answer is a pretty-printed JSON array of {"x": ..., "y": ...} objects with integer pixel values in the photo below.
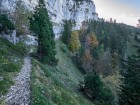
[
  {"x": 10, "y": 67},
  {"x": 4, "y": 85},
  {"x": 5, "y": 24},
  {"x": 23, "y": 48},
  {"x": 21, "y": 15}
]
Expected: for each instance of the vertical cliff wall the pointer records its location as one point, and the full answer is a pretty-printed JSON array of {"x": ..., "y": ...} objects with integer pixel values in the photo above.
[{"x": 59, "y": 10}]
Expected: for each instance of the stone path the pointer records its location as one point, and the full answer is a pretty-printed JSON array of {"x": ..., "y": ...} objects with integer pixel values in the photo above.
[{"x": 19, "y": 94}]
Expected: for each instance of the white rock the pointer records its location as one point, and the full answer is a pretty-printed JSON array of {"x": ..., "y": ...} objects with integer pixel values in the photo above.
[
  {"x": 1, "y": 78},
  {"x": 60, "y": 10}
]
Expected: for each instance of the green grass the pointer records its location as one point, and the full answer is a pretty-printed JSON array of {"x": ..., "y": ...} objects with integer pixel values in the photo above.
[
  {"x": 4, "y": 85},
  {"x": 57, "y": 85},
  {"x": 11, "y": 59}
]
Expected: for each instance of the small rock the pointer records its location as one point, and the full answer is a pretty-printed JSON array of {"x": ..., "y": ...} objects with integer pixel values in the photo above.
[{"x": 1, "y": 78}]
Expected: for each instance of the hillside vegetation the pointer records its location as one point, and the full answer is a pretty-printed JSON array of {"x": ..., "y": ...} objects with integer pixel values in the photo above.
[
  {"x": 11, "y": 59},
  {"x": 57, "y": 85},
  {"x": 97, "y": 64}
]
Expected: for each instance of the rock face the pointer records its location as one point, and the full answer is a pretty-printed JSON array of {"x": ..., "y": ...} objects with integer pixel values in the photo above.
[
  {"x": 11, "y": 37},
  {"x": 70, "y": 10},
  {"x": 59, "y": 10}
]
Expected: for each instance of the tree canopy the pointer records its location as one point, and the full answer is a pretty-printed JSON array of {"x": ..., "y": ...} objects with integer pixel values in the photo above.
[{"x": 41, "y": 25}]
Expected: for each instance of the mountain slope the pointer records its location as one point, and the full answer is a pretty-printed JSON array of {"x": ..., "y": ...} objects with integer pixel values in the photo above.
[{"x": 57, "y": 85}]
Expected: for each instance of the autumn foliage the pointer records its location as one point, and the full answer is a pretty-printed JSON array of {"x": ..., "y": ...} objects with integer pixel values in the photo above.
[
  {"x": 74, "y": 42},
  {"x": 92, "y": 39},
  {"x": 87, "y": 61}
]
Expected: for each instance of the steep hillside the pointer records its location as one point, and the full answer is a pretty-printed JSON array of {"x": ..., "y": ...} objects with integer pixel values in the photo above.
[
  {"x": 57, "y": 85},
  {"x": 75, "y": 58}
]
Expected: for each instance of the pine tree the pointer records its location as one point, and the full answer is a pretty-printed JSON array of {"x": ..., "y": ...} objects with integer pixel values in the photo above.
[
  {"x": 42, "y": 27},
  {"x": 95, "y": 89},
  {"x": 67, "y": 32},
  {"x": 131, "y": 90}
]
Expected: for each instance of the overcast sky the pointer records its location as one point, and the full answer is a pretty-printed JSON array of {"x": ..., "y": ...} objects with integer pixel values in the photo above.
[{"x": 126, "y": 11}]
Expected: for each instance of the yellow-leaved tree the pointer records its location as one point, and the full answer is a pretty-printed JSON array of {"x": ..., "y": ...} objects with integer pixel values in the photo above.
[{"x": 74, "y": 42}]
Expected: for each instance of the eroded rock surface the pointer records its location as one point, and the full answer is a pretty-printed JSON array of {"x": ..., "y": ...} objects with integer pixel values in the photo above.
[{"x": 59, "y": 10}]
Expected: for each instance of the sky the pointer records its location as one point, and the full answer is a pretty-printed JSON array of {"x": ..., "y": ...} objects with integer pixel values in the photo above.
[{"x": 126, "y": 11}]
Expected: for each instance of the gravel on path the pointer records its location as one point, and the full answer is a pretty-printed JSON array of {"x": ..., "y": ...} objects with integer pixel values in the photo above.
[{"x": 19, "y": 93}]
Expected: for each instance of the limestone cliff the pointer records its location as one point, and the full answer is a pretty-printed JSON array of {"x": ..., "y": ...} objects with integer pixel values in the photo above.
[{"x": 59, "y": 10}]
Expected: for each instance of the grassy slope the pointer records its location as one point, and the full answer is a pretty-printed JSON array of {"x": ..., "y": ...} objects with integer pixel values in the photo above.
[
  {"x": 11, "y": 59},
  {"x": 57, "y": 85}
]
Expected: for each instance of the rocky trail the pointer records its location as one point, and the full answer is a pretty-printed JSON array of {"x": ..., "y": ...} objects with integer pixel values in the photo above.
[{"x": 19, "y": 93}]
